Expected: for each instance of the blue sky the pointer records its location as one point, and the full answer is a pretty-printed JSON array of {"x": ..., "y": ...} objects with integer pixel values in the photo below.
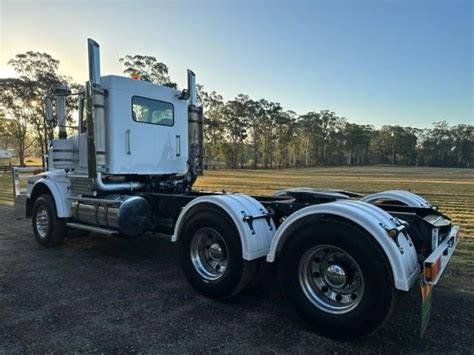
[{"x": 376, "y": 62}]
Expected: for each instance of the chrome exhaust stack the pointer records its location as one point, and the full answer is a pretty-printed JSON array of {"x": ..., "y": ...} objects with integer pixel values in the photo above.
[
  {"x": 195, "y": 130},
  {"x": 94, "y": 62},
  {"x": 192, "y": 88},
  {"x": 96, "y": 149}
]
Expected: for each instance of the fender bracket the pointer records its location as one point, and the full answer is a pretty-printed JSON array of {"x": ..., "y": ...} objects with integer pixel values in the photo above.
[{"x": 249, "y": 219}]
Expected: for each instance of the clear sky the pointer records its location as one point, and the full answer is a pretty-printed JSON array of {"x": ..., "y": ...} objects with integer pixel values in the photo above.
[{"x": 406, "y": 62}]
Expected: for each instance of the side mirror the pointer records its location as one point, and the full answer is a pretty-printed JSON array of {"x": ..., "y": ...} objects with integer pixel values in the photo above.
[
  {"x": 184, "y": 95},
  {"x": 48, "y": 109}
]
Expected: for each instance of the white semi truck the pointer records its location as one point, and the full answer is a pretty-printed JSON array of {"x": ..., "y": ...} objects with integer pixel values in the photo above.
[{"x": 343, "y": 259}]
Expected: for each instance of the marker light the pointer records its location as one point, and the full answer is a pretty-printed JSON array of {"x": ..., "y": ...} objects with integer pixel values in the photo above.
[{"x": 432, "y": 270}]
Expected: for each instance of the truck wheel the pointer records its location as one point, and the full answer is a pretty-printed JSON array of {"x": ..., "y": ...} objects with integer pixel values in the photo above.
[
  {"x": 49, "y": 230},
  {"x": 338, "y": 278},
  {"x": 211, "y": 254}
]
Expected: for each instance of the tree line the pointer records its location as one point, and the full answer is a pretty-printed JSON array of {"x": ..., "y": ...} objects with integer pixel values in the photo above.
[
  {"x": 22, "y": 123},
  {"x": 242, "y": 132}
]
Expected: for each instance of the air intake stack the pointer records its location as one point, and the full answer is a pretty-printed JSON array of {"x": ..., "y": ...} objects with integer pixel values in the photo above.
[{"x": 95, "y": 114}]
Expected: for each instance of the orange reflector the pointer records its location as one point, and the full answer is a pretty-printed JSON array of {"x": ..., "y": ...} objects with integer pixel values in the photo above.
[
  {"x": 432, "y": 270},
  {"x": 135, "y": 76}
]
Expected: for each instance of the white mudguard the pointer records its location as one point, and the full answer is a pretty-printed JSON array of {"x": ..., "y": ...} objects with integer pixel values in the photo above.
[
  {"x": 402, "y": 257},
  {"x": 256, "y": 232},
  {"x": 58, "y": 184},
  {"x": 407, "y": 198}
]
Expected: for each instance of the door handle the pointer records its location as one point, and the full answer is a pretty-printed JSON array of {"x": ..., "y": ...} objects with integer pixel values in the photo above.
[
  {"x": 178, "y": 146},
  {"x": 127, "y": 142}
]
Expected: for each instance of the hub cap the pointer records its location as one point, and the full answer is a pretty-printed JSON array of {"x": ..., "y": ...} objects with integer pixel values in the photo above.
[
  {"x": 42, "y": 222},
  {"x": 209, "y": 253},
  {"x": 331, "y": 279}
]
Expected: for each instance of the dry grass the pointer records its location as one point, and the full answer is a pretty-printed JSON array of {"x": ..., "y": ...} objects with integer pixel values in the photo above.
[{"x": 6, "y": 193}]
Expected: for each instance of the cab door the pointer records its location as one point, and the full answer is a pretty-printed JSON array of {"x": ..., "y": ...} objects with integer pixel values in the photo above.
[{"x": 148, "y": 129}]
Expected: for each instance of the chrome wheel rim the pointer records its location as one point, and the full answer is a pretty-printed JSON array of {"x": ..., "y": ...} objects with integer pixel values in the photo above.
[
  {"x": 42, "y": 222},
  {"x": 209, "y": 253},
  {"x": 331, "y": 279}
]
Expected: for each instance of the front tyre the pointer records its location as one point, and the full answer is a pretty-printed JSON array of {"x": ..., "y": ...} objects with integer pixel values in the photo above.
[
  {"x": 211, "y": 254},
  {"x": 48, "y": 228},
  {"x": 338, "y": 278}
]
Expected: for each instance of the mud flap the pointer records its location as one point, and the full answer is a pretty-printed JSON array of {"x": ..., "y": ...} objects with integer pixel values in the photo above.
[{"x": 426, "y": 292}]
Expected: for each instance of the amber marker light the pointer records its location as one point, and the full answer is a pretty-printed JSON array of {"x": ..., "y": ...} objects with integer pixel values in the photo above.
[{"x": 432, "y": 270}]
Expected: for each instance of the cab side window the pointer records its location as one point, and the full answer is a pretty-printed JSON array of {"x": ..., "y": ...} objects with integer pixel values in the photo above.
[{"x": 152, "y": 111}]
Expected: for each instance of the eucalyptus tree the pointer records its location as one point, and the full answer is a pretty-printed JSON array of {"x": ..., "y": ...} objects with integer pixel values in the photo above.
[
  {"x": 39, "y": 72},
  {"x": 463, "y": 145},
  {"x": 357, "y": 139},
  {"x": 284, "y": 128},
  {"x": 213, "y": 105},
  {"x": 269, "y": 112},
  {"x": 15, "y": 124},
  {"x": 147, "y": 68},
  {"x": 255, "y": 112},
  {"x": 235, "y": 120},
  {"x": 311, "y": 130}
]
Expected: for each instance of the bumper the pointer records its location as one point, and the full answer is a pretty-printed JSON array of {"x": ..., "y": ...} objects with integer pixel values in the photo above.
[{"x": 435, "y": 264}]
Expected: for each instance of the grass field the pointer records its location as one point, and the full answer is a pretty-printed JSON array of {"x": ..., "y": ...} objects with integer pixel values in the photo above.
[{"x": 450, "y": 189}]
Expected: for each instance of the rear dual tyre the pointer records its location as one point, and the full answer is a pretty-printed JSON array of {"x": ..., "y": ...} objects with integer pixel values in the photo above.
[
  {"x": 338, "y": 279},
  {"x": 210, "y": 253}
]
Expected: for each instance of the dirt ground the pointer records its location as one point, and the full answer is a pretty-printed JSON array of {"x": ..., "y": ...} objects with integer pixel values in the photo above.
[{"x": 101, "y": 294}]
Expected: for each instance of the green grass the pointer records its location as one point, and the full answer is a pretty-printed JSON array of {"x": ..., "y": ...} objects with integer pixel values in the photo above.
[{"x": 450, "y": 189}]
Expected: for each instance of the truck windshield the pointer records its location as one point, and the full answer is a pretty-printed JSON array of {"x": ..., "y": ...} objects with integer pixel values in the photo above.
[{"x": 152, "y": 111}]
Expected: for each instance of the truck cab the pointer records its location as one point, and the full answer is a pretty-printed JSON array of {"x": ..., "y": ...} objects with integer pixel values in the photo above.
[{"x": 146, "y": 126}]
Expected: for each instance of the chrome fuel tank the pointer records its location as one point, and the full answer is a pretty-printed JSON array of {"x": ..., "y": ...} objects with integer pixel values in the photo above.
[{"x": 130, "y": 215}]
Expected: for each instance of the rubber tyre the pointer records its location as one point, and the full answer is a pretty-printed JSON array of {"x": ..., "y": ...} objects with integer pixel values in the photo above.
[
  {"x": 56, "y": 229},
  {"x": 379, "y": 296},
  {"x": 239, "y": 272}
]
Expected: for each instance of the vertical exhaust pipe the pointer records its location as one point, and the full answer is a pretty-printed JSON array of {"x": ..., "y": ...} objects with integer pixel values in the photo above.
[
  {"x": 192, "y": 88},
  {"x": 94, "y": 62},
  {"x": 195, "y": 130},
  {"x": 96, "y": 149}
]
